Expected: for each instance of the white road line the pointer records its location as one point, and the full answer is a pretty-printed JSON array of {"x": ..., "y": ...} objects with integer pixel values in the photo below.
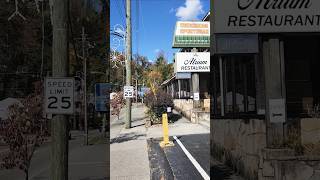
[{"x": 191, "y": 158}]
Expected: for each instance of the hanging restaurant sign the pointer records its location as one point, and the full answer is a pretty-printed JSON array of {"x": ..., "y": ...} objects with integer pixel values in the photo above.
[
  {"x": 236, "y": 43},
  {"x": 192, "y": 62},
  {"x": 183, "y": 75},
  {"x": 192, "y": 34},
  {"x": 265, "y": 16}
]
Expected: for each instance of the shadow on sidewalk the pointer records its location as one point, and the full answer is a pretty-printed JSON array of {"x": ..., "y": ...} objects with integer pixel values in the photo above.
[
  {"x": 126, "y": 137},
  {"x": 93, "y": 178},
  {"x": 173, "y": 117},
  {"x": 138, "y": 125},
  {"x": 138, "y": 119}
]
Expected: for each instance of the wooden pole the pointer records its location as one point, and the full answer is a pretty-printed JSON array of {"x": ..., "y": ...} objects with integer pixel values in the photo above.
[
  {"x": 59, "y": 148},
  {"x": 85, "y": 87},
  {"x": 195, "y": 85},
  {"x": 128, "y": 63}
]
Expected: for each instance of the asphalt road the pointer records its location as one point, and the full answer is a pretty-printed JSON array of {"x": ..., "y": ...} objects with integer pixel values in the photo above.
[{"x": 173, "y": 163}]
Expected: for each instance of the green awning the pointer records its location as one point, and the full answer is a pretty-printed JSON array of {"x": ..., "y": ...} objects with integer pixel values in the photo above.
[{"x": 191, "y": 41}]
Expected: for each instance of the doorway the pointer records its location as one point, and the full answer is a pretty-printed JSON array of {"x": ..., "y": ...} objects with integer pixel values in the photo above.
[{"x": 302, "y": 66}]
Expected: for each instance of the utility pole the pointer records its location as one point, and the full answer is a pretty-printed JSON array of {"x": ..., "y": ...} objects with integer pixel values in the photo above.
[
  {"x": 107, "y": 114},
  {"x": 136, "y": 90},
  {"x": 104, "y": 119},
  {"x": 142, "y": 91},
  {"x": 85, "y": 87},
  {"x": 128, "y": 62},
  {"x": 195, "y": 85},
  {"x": 136, "y": 74},
  {"x": 123, "y": 74},
  {"x": 59, "y": 132}
]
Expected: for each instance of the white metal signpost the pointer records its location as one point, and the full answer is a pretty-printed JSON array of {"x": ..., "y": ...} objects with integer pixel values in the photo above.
[
  {"x": 59, "y": 94},
  {"x": 128, "y": 91}
]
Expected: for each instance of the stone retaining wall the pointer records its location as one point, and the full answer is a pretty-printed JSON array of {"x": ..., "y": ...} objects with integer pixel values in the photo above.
[
  {"x": 282, "y": 164},
  {"x": 238, "y": 143},
  {"x": 241, "y": 144},
  {"x": 185, "y": 106},
  {"x": 310, "y": 130}
]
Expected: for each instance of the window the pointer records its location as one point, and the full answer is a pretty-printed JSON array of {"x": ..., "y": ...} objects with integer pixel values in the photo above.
[
  {"x": 234, "y": 88},
  {"x": 302, "y": 75}
]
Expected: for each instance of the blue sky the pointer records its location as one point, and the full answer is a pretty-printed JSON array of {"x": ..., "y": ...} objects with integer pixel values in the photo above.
[{"x": 153, "y": 25}]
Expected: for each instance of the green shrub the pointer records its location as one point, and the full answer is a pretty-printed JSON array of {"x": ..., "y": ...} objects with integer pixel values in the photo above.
[{"x": 157, "y": 105}]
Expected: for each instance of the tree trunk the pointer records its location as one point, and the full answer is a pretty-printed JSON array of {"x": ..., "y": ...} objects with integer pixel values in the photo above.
[
  {"x": 26, "y": 171},
  {"x": 27, "y": 174}
]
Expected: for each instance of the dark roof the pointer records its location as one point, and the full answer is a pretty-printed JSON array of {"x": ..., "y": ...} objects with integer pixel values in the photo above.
[{"x": 206, "y": 17}]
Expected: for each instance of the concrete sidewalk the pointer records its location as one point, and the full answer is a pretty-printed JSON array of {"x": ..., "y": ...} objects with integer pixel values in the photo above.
[
  {"x": 182, "y": 126},
  {"x": 85, "y": 162},
  {"x": 128, "y": 147}
]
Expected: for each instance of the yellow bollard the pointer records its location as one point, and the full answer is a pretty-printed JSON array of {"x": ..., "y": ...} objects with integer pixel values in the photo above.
[{"x": 165, "y": 127}]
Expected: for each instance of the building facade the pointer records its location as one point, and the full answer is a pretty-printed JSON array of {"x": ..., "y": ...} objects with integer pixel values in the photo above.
[
  {"x": 266, "y": 92},
  {"x": 189, "y": 86}
]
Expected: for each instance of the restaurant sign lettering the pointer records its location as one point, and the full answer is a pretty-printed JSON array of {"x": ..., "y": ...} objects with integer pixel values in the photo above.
[
  {"x": 192, "y": 62},
  {"x": 266, "y": 16}
]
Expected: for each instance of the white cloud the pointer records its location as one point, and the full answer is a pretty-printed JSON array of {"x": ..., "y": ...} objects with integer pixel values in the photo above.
[
  {"x": 157, "y": 51},
  {"x": 190, "y": 11}
]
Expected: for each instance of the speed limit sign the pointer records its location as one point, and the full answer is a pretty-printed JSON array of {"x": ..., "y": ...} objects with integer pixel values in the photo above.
[
  {"x": 128, "y": 91},
  {"x": 59, "y": 95}
]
